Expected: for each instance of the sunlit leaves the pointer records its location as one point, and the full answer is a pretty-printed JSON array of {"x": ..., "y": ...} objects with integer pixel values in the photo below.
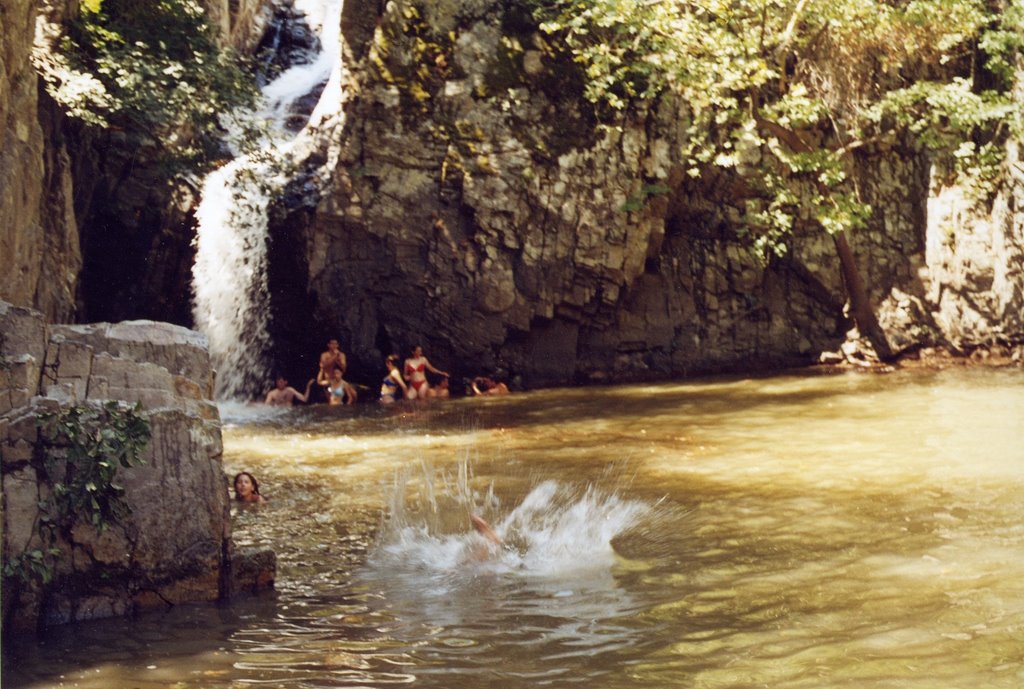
[
  {"x": 1003, "y": 42},
  {"x": 783, "y": 90},
  {"x": 151, "y": 68},
  {"x": 939, "y": 111}
]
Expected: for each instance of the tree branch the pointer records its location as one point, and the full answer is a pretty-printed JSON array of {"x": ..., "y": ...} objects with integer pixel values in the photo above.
[
  {"x": 786, "y": 136},
  {"x": 787, "y": 39}
]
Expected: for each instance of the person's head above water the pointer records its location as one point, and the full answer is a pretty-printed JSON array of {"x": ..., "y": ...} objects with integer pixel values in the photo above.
[
  {"x": 247, "y": 488},
  {"x": 281, "y": 382}
]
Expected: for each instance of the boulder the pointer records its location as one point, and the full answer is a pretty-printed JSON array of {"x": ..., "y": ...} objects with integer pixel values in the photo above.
[{"x": 175, "y": 544}]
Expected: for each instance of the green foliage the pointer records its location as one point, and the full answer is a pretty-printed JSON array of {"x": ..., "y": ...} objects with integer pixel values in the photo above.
[
  {"x": 152, "y": 68},
  {"x": 980, "y": 167},
  {"x": 96, "y": 442},
  {"x": 85, "y": 446},
  {"x": 785, "y": 91},
  {"x": 1002, "y": 43},
  {"x": 31, "y": 565}
]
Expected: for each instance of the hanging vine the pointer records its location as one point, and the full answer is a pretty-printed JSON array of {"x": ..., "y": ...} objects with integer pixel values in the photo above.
[{"x": 80, "y": 453}]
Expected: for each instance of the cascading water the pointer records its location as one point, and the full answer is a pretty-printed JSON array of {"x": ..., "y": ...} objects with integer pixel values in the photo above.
[{"x": 230, "y": 272}]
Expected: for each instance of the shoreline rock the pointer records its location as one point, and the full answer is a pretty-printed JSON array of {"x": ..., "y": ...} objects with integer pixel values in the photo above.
[{"x": 175, "y": 544}]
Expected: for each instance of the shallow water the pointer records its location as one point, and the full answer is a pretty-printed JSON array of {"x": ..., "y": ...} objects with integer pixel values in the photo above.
[{"x": 793, "y": 531}]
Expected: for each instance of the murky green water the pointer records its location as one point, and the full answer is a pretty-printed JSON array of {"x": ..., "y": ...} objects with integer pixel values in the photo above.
[{"x": 790, "y": 532}]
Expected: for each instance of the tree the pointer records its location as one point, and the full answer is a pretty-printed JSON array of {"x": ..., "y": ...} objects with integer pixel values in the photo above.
[
  {"x": 152, "y": 68},
  {"x": 785, "y": 91}
]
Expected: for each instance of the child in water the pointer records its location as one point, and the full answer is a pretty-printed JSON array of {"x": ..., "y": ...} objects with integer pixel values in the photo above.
[{"x": 247, "y": 488}]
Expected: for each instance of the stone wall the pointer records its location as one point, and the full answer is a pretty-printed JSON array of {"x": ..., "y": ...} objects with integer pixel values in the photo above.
[{"x": 175, "y": 546}]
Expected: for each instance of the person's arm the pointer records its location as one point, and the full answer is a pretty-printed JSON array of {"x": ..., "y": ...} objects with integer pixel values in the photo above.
[
  {"x": 303, "y": 397},
  {"x": 476, "y": 390},
  {"x": 484, "y": 529},
  {"x": 397, "y": 375},
  {"x": 270, "y": 396},
  {"x": 430, "y": 367}
]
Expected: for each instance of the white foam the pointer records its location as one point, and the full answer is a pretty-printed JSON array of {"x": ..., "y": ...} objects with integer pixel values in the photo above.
[
  {"x": 233, "y": 412},
  {"x": 230, "y": 272},
  {"x": 556, "y": 532}
]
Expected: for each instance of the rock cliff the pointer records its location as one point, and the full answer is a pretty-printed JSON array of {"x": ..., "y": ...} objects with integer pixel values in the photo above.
[
  {"x": 39, "y": 242},
  {"x": 466, "y": 201},
  {"x": 174, "y": 545},
  {"x": 476, "y": 208},
  {"x": 91, "y": 227}
]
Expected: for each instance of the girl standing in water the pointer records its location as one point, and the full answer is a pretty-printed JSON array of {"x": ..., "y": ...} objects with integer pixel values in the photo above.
[
  {"x": 339, "y": 391},
  {"x": 416, "y": 367},
  {"x": 392, "y": 381}
]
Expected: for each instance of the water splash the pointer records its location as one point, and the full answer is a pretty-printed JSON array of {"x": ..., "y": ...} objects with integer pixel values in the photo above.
[
  {"x": 557, "y": 532},
  {"x": 556, "y": 566},
  {"x": 235, "y": 413},
  {"x": 230, "y": 272}
]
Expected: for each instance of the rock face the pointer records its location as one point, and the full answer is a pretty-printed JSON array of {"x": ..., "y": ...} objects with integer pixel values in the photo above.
[
  {"x": 975, "y": 263},
  {"x": 175, "y": 545},
  {"x": 39, "y": 245},
  {"x": 473, "y": 206},
  {"x": 476, "y": 209},
  {"x": 240, "y": 22},
  {"x": 90, "y": 228}
]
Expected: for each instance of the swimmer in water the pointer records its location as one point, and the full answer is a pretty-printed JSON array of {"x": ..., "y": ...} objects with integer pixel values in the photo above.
[{"x": 485, "y": 530}]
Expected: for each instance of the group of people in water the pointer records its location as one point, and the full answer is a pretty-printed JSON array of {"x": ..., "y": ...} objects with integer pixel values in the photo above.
[{"x": 408, "y": 382}]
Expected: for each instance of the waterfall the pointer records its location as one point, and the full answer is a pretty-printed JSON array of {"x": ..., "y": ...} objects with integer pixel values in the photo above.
[{"x": 231, "y": 295}]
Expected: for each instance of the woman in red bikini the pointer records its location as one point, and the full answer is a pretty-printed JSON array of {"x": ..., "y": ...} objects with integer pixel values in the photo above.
[{"x": 416, "y": 368}]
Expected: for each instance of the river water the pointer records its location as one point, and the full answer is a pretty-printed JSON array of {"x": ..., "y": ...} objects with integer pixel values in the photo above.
[{"x": 855, "y": 530}]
